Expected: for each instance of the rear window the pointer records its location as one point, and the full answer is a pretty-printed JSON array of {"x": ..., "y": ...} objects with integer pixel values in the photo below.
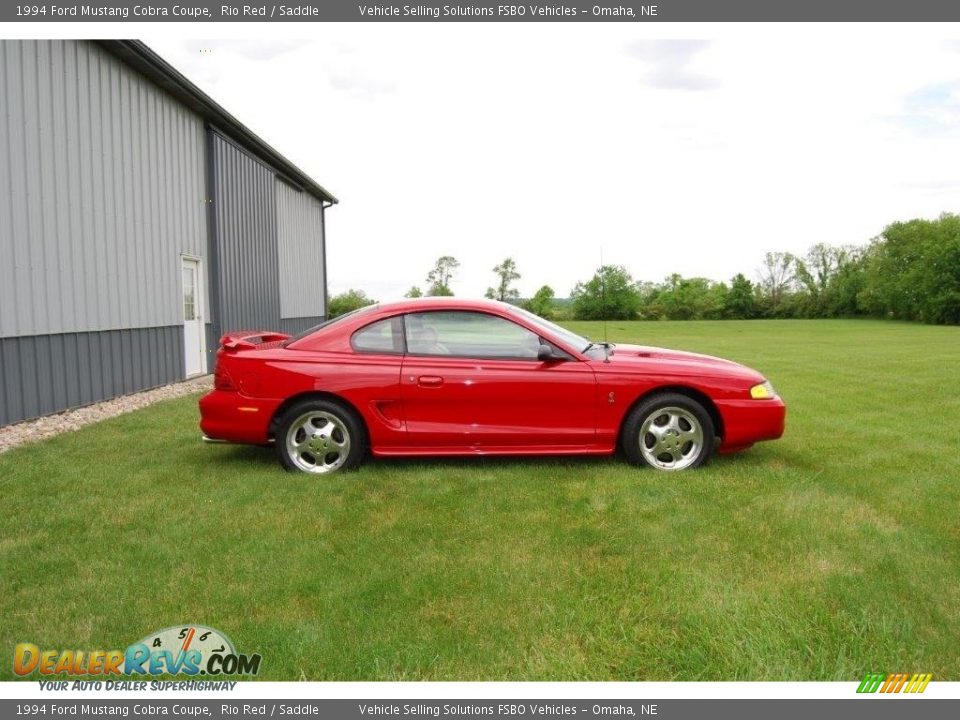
[
  {"x": 383, "y": 336},
  {"x": 328, "y": 323}
]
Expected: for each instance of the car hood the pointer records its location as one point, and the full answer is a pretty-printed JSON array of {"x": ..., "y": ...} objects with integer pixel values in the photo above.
[{"x": 647, "y": 359}]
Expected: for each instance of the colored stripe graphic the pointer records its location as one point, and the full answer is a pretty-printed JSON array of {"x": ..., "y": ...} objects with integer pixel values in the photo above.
[
  {"x": 918, "y": 683},
  {"x": 871, "y": 682},
  {"x": 894, "y": 683},
  {"x": 891, "y": 683}
]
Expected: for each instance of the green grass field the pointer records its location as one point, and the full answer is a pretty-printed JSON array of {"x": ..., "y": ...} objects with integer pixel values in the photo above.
[{"x": 832, "y": 552}]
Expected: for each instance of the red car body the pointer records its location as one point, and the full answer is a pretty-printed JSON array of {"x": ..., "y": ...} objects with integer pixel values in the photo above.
[{"x": 450, "y": 405}]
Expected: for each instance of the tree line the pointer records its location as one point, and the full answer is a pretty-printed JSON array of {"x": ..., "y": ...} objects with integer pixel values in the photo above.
[{"x": 911, "y": 271}]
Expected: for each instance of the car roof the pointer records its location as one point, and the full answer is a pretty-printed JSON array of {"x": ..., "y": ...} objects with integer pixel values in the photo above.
[
  {"x": 441, "y": 303},
  {"x": 345, "y": 325}
]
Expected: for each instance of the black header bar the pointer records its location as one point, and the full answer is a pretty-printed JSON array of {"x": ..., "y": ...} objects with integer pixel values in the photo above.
[{"x": 597, "y": 11}]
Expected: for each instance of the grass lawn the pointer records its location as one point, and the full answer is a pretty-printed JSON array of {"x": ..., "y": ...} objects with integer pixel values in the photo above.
[{"x": 832, "y": 552}]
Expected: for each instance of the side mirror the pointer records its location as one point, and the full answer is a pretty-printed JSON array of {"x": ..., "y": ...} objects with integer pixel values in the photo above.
[{"x": 546, "y": 353}]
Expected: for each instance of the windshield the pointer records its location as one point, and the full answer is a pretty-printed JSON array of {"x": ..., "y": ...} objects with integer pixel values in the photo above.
[
  {"x": 328, "y": 323},
  {"x": 577, "y": 342}
]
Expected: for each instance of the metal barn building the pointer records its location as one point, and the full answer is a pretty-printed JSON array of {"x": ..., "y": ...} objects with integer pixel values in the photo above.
[{"x": 138, "y": 222}]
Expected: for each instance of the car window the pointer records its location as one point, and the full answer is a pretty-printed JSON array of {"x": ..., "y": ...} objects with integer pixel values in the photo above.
[
  {"x": 572, "y": 339},
  {"x": 469, "y": 334},
  {"x": 328, "y": 323},
  {"x": 383, "y": 336}
]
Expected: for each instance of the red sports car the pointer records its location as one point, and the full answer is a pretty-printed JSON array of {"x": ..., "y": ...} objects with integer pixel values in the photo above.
[{"x": 441, "y": 376}]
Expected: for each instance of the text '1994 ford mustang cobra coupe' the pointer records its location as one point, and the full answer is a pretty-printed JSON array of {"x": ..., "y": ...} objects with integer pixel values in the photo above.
[{"x": 440, "y": 376}]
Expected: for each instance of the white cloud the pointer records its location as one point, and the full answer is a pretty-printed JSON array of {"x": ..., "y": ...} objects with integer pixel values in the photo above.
[
  {"x": 356, "y": 81},
  {"x": 933, "y": 109},
  {"x": 669, "y": 63}
]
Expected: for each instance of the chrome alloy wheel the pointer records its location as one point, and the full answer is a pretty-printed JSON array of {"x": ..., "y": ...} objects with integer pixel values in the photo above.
[
  {"x": 318, "y": 442},
  {"x": 671, "y": 438}
]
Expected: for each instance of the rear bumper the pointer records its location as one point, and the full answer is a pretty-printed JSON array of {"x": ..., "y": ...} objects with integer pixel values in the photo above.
[
  {"x": 233, "y": 417},
  {"x": 748, "y": 421}
]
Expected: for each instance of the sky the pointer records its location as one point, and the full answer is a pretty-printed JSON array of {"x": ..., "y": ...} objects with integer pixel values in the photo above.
[{"x": 559, "y": 144}]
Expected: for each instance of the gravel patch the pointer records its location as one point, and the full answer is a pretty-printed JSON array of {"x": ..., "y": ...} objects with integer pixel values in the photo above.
[{"x": 32, "y": 430}]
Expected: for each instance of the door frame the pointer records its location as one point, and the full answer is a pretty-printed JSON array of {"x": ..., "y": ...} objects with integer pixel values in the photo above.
[
  {"x": 464, "y": 435},
  {"x": 200, "y": 311}
]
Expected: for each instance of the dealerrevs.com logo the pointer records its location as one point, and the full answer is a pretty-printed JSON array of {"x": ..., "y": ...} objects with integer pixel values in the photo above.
[{"x": 179, "y": 650}]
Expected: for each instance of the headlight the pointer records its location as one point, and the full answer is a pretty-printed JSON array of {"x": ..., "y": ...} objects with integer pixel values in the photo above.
[{"x": 763, "y": 391}]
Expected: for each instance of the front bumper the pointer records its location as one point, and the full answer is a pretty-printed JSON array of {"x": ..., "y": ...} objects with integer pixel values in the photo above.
[{"x": 748, "y": 421}]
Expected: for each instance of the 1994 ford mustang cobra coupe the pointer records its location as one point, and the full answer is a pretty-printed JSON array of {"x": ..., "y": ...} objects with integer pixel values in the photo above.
[{"x": 440, "y": 376}]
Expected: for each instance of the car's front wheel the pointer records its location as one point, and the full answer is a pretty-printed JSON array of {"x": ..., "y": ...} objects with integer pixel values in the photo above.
[
  {"x": 668, "y": 432},
  {"x": 319, "y": 437}
]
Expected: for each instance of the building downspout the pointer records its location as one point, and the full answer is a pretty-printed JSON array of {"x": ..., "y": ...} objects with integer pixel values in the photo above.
[
  {"x": 213, "y": 251},
  {"x": 323, "y": 244}
]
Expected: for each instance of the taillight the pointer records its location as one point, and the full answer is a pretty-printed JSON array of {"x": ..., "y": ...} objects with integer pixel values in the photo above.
[{"x": 222, "y": 379}]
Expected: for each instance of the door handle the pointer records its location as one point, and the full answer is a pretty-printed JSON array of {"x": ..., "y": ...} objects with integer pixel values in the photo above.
[{"x": 429, "y": 381}]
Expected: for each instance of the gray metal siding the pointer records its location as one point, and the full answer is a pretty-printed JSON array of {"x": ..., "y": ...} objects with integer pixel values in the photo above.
[
  {"x": 300, "y": 252},
  {"x": 105, "y": 181},
  {"x": 47, "y": 373},
  {"x": 101, "y": 189},
  {"x": 245, "y": 210},
  {"x": 295, "y": 326}
]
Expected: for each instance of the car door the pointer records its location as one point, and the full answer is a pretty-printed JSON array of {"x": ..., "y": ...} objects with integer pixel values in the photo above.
[
  {"x": 371, "y": 380},
  {"x": 472, "y": 381}
]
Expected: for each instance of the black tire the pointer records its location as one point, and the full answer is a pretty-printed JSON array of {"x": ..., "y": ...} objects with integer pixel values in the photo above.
[
  {"x": 338, "y": 441},
  {"x": 680, "y": 429}
]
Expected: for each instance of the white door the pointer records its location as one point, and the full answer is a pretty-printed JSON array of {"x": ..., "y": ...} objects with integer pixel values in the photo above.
[{"x": 193, "y": 341}]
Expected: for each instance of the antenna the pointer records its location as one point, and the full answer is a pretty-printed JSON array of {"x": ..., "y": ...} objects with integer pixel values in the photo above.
[{"x": 603, "y": 296}]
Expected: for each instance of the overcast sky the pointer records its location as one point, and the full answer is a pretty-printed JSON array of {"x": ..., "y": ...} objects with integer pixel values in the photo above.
[{"x": 549, "y": 142}]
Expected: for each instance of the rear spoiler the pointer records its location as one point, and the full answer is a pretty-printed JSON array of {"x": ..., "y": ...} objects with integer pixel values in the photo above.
[{"x": 249, "y": 339}]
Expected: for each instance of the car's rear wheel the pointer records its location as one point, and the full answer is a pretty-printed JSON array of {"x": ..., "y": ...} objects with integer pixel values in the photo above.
[
  {"x": 319, "y": 437},
  {"x": 668, "y": 432}
]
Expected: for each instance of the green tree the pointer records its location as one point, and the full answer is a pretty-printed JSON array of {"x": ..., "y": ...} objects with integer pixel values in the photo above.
[
  {"x": 609, "y": 295},
  {"x": 542, "y": 302},
  {"x": 691, "y": 298},
  {"x": 347, "y": 302},
  {"x": 913, "y": 271},
  {"x": 413, "y": 292},
  {"x": 847, "y": 283},
  {"x": 438, "y": 279},
  {"x": 650, "y": 306},
  {"x": 820, "y": 274},
  {"x": 819, "y": 266},
  {"x": 715, "y": 302},
  {"x": 741, "y": 300},
  {"x": 778, "y": 275},
  {"x": 507, "y": 273}
]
